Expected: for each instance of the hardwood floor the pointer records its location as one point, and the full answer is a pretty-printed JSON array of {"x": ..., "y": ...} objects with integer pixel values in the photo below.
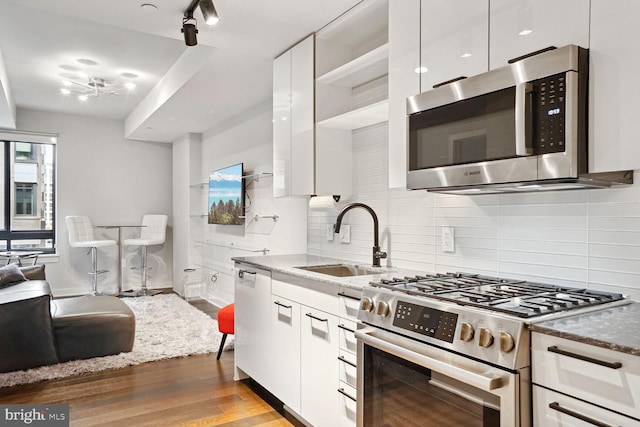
[{"x": 193, "y": 391}]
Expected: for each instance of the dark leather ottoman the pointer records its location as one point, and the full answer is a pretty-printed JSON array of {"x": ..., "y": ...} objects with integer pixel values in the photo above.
[{"x": 92, "y": 326}]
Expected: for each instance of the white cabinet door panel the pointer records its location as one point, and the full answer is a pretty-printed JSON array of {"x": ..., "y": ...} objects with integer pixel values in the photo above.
[
  {"x": 520, "y": 27},
  {"x": 319, "y": 367},
  {"x": 614, "y": 90},
  {"x": 454, "y": 40},
  {"x": 285, "y": 345},
  {"x": 252, "y": 320}
]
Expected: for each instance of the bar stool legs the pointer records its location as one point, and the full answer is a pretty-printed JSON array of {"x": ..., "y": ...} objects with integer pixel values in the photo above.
[
  {"x": 144, "y": 291},
  {"x": 94, "y": 272}
]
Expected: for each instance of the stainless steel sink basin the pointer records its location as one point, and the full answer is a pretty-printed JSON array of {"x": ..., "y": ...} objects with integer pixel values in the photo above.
[{"x": 342, "y": 270}]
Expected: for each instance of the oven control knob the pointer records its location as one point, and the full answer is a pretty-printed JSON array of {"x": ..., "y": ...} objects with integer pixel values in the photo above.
[
  {"x": 466, "y": 331},
  {"x": 383, "y": 309},
  {"x": 485, "y": 339},
  {"x": 366, "y": 304},
  {"x": 506, "y": 342}
]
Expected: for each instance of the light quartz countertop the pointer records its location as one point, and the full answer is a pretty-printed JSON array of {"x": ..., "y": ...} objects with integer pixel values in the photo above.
[
  {"x": 614, "y": 328},
  {"x": 286, "y": 264}
]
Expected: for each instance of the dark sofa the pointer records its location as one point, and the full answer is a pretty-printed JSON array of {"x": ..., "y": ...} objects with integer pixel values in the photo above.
[{"x": 37, "y": 330}]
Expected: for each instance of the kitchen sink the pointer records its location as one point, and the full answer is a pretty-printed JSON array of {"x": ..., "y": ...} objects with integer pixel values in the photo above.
[{"x": 342, "y": 270}]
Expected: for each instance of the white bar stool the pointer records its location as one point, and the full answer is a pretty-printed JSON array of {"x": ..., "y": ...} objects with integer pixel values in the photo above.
[
  {"x": 81, "y": 236},
  {"x": 152, "y": 232}
]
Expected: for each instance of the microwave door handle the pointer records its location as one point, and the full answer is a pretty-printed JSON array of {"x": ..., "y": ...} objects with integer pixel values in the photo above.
[{"x": 522, "y": 89}]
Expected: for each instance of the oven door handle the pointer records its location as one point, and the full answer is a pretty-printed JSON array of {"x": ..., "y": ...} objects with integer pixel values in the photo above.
[{"x": 484, "y": 381}]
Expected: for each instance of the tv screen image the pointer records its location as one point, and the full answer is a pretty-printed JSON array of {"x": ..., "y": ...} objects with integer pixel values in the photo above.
[{"x": 226, "y": 196}]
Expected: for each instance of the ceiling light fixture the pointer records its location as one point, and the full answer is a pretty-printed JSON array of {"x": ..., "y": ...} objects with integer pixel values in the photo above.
[
  {"x": 93, "y": 87},
  {"x": 189, "y": 23},
  {"x": 190, "y": 31},
  {"x": 209, "y": 12}
]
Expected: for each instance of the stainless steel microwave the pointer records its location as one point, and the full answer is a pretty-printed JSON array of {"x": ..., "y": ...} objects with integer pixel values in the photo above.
[{"x": 522, "y": 127}]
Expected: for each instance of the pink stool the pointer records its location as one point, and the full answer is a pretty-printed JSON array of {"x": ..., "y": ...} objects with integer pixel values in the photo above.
[{"x": 225, "y": 324}]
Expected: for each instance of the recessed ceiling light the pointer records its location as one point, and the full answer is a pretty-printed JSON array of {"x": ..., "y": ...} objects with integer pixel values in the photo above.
[
  {"x": 83, "y": 97},
  {"x": 65, "y": 91},
  {"x": 465, "y": 55},
  {"x": 130, "y": 85},
  {"x": 129, "y": 75},
  {"x": 525, "y": 32},
  {"x": 149, "y": 8},
  {"x": 149, "y": 127},
  {"x": 421, "y": 70}
]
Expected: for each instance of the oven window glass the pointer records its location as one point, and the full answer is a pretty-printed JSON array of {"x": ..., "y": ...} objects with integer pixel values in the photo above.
[
  {"x": 400, "y": 393},
  {"x": 468, "y": 131}
]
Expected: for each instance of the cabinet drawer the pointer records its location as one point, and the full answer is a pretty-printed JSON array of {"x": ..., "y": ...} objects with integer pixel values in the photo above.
[
  {"x": 347, "y": 405},
  {"x": 348, "y": 368},
  {"x": 319, "y": 295},
  {"x": 551, "y": 409},
  {"x": 609, "y": 378},
  {"x": 349, "y": 303},
  {"x": 347, "y": 335}
]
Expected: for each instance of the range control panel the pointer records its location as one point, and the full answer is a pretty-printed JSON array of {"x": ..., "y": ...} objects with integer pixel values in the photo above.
[{"x": 425, "y": 320}]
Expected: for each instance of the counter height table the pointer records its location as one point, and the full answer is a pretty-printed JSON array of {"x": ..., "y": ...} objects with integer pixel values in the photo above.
[{"x": 119, "y": 241}]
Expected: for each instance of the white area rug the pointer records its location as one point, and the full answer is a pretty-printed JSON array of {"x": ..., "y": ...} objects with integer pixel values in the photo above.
[{"x": 166, "y": 327}]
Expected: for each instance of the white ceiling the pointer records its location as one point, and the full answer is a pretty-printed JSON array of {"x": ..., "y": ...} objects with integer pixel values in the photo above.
[{"x": 187, "y": 89}]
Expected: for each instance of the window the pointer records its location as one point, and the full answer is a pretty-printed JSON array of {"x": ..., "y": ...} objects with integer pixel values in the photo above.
[
  {"x": 27, "y": 193},
  {"x": 25, "y": 199},
  {"x": 25, "y": 151}
]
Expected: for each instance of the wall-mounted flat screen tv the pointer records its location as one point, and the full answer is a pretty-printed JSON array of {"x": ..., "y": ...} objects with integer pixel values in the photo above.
[{"x": 226, "y": 196}]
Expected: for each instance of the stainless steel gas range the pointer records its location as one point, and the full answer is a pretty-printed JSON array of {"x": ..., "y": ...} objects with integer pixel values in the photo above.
[{"x": 453, "y": 349}]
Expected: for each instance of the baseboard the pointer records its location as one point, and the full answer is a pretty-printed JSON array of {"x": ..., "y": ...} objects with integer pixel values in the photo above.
[{"x": 274, "y": 402}]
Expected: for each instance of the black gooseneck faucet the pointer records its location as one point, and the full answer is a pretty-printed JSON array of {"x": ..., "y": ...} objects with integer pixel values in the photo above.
[{"x": 377, "y": 253}]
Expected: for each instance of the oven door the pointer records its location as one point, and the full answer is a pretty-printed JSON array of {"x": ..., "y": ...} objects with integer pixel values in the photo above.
[{"x": 402, "y": 382}]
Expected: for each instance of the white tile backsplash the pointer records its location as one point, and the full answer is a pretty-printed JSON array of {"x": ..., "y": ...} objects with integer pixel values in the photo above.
[{"x": 585, "y": 238}]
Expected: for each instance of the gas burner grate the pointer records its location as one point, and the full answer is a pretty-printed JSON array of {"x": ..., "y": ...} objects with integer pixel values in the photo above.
[{"x": 515, "y": 297}]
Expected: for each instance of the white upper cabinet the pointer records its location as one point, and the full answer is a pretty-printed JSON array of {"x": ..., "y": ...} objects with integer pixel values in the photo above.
[
  {"x": 282, "y": 125},
  {"x": 520, "y": 27},
  {"x": 293, "y": 121},
  {"x": 614, "y": 91},
  {"x": 454, "y": 37},
  {"x": 351, "y": 89},
  {"x": 404, "y": 81}
]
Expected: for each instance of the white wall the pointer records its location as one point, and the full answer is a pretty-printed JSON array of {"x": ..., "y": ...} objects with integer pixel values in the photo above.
[
  {"x": 247, "y": 139},
  {"x": 113, "y": 181},
  {"x": 583, "y": 238}
]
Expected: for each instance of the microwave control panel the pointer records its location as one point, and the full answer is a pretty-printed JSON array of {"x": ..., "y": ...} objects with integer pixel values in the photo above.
[{"x": 551, "y": 113}]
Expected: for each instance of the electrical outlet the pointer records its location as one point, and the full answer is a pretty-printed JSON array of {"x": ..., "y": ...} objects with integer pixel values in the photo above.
[
  {"x": 448, "y": 239},
  {"x": 330, "y": 232},
  {"x": 345, "y": 234}
]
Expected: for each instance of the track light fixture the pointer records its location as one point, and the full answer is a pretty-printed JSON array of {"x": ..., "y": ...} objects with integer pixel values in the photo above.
[
  {"x": 209, "y": 12},
  {"x": 189, "y": 28}
]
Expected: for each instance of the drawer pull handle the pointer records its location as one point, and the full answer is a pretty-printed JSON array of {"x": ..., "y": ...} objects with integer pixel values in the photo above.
[
  {"x": 556, "y": 406},
  {"x": 281, "y": 304},
  {"x": 346, "y": 329},
  {"x": 342, "y": 294},
  {"x": 316, "y": 318},
  {"x": 344, "y": 393},
  {"x": 342, "y": 359},
  {"x": 612, "y": 365},
  {"x": 241, "y": 273}
]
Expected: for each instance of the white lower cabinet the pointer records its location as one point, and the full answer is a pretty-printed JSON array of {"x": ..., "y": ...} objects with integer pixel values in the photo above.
[
  {"x": 319, "y": 367},
  {"x": 553, "y": 409},
  {"x": 577, "y": 384},
  {"x": 252, "y": 314},
  {"x": 285, "y": 351}
]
